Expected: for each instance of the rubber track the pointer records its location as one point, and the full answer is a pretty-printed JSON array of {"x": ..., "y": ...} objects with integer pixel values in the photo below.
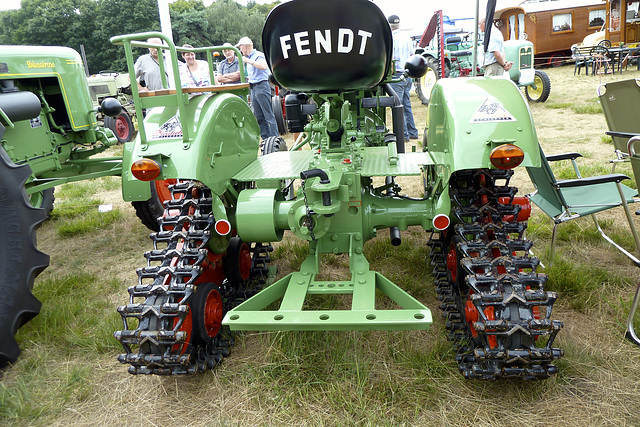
[
  {"x": 500, "y": 275},
  {"x": 20, "y": 260}
]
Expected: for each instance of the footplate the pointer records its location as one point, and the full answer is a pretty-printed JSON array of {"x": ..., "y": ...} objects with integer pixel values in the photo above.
[{"x": 258, "y": 313}]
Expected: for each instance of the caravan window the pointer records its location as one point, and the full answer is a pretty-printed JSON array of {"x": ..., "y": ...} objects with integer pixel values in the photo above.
[
  {"x": 516, "y": 28},
  {"x": 562, "y": 22},
  {"x": 632, "y": 11},
  {"x": 521, "y": 34},
  {"x": 614, "y": 21},
  {"x": 596, "y": 18}
]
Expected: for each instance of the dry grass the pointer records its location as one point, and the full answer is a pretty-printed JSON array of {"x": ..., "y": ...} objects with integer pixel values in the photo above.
[{"x": 354, "y": 378}]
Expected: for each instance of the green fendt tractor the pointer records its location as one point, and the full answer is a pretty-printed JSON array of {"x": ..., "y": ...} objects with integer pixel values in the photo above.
[
  {"x": 225, "y": 202},
  {"x": 48, "y": 133},
  {"x": 452, "y": 56}
]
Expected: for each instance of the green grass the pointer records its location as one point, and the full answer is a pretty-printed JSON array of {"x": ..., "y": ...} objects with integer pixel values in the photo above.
[
  {"x": 587, "y": 109},
  {"x": 89, "y": 222},
  {"x": 582, "y": 284},
  {"x": 590, "y": 107},
  {"x": 73, "y": 324},
  {"x": 76, "y": 322}
]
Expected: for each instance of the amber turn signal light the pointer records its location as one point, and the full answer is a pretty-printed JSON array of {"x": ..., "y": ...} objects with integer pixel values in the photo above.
[
  {"x": 145, "y": 169},
  {"x": 506, "y": 156}
]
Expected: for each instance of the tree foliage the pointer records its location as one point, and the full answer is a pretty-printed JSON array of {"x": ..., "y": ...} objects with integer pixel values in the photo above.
[{"x": 91, "y": 23}]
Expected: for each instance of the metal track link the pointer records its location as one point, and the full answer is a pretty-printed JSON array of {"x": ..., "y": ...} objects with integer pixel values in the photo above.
[
  {"x": 494, "y": 301},
  {"x": 156, "y": 334}
]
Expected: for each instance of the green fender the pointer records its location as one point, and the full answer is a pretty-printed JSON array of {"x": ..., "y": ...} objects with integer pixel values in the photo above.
[
  {"x": 225, "y": 138},
  {"x": 469, "y": 117}
]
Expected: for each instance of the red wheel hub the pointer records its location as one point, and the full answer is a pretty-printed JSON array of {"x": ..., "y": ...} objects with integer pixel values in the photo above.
[
  {"x": 122, "y": 128},
  {"x": 472, "y": 316},
  {"x": 213, "y": 313}
]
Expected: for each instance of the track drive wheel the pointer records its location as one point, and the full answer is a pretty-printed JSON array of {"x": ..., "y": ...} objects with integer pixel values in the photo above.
[
  {"x": 20, "y": 260},
  {"x": 121, "y": 125},
  {"x": 150, "y": 210},
  {"x": 541, "y": 88},
  {"x": 237, "y": 263},
  {"x": 207, "y": 311},
  {"x": 424, "y": 84}
]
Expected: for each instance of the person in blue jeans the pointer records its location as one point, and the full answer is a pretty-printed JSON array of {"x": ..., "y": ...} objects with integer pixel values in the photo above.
[
  {"x": 402, "y": 50},
  {"x": 258, "y": 77}
]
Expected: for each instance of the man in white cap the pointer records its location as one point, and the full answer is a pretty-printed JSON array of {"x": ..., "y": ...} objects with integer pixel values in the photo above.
[
  {"x": 402, "y": 50},
  {"x": 258, "y": 77},
  {"x": 148, "y": 69},
  {"x": 228, "y": 68}
]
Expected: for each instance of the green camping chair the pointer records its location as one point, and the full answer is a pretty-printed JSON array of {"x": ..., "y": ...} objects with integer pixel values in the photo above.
[
  {"x": 570, "y": 199},
  {"x": 620, "y": 103},
  {"x": 635, "y": 162}
]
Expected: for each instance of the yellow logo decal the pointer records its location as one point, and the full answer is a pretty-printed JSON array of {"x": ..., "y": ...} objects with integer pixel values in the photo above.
[{"x": 41, "y": 64}]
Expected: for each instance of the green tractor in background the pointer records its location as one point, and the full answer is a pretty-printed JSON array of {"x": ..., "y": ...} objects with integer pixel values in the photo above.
[
  {"x": 110, "y": 84},
  {"x": 48, "y": 136},
  {"x": 452, "y": 56},
  {"x": 206, "y": 272}
]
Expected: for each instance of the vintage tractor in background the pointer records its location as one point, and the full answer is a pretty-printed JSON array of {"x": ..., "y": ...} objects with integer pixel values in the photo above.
[
  {"x": 452, "y": 56},
  {"x": 110, "y": 84},
  {"x": 48, "y": 135},
  {"x": 226, "y": 202}
]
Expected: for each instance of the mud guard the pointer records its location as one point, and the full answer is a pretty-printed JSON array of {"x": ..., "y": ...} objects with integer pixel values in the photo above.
[{"x": 468, "y": 117}]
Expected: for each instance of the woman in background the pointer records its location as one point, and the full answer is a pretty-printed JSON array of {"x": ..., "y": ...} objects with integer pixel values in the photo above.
[{"x": 194, "y": 72}]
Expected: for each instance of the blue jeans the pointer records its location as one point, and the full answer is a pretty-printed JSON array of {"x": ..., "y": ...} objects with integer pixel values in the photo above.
[
  {"x": 403, "y": 89},
  {"x": 261, "y": 106}
]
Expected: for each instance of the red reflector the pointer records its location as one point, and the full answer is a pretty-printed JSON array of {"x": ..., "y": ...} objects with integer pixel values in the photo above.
[
  {"x": 441, "y": 222},
  {"x": 223, "y": 227},
  {"x": 145, "y": 169},
  {"x": 506, "y": 156}
]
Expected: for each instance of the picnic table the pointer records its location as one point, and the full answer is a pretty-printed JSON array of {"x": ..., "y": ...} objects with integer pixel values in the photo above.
[
  {"x": 620, "y": 56},
  {"x": 603, "y": 56}
]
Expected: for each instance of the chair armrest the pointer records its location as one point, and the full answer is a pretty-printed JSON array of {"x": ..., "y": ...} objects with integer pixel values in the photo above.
[
  {"x": 622, "y": 134},
  {"x": 592, "y": 180},
  {"x": 563, "y": 156}
]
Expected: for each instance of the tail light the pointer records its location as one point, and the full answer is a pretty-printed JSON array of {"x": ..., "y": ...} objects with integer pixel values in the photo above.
[
  {"x": 506, "y": 156},
  {"x": 145, "y": 169}
]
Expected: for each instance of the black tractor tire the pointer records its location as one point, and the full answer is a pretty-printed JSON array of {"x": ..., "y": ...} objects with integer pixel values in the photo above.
[
  {"x": 274, "y": 144},
  {"x": 20, "y": 260},
  {"x": 237, "y": 263},
  {"x": 121, "y": 125},
  {"x": 43, "y": 199},
  {"x": 424, "y": 84},
  {"x": 541, "y": 88},
  {"x": 150, "y": 210},
  {"x": 276, "y": 104}
]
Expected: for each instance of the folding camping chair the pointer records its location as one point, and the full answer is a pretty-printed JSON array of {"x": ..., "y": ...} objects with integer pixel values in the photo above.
[
  {"x": 570, "y": 199},
  {"x": 620, "y": 103},
  {"x": 635, "y": 163}
]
